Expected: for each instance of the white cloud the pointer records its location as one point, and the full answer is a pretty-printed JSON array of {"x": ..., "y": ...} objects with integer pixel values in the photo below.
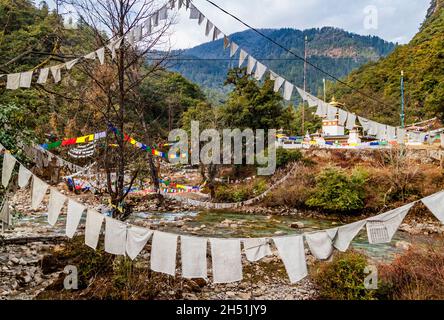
[{"x": 398, "y": 20}]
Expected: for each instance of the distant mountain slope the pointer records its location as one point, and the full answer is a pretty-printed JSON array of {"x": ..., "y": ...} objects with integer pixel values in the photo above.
[
  {"x": 422, "y": 61},
  {"x": 335, "y": 50}
]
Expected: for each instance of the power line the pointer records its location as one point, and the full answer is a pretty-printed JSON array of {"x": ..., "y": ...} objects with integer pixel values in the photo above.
[{"x": 295, "y": 54}]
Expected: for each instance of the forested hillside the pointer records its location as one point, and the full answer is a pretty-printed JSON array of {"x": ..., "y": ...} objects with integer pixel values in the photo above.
[
  {"x": 334, "y": 50},
  {"x": 422, "y": 61}
]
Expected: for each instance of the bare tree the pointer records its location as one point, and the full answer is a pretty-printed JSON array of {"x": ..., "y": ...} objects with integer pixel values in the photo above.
[{"x": 113, "y": 94}]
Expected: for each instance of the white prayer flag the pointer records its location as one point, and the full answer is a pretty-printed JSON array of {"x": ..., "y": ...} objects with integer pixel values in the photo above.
[
  {"x": 302, "y": 93},
  {"x": 136, "y": 239},
  {"x": 278, "y": 83},
  {"x": 56, "y": 72},
  {"x": 39, "y": 188},
  {"x": 163, "y": 253},
  {"x": 288, "y": 90},
  {"x": 90, "y": 56},
  {"x": 226, "y": 260},
  {"x": 251, "y": 64},
  {"x": 148, "y": 26},
  {"x": 382, "y": 228},
  {"x": 347, "y": 233},
  {"x": 233, "y": 49},
  {"x": 73, "y": 216},
  {"x": 43, "y": 76},
  {"x": 5, "y": 216},
  {"x": 365, "y": 123},
  {"x": 321, "y": 243},
  {"x": 194, "y": 257},
  {"x": 23, "y": 177},
  {"x": 226, "y": 42},
  {"x": 155, "y": 19},
  {"x": 137, "y": 33},
  {"x": 93, "y": 226},
  {"x": 8, "y": 166},
  {"x": 71, "y": 64},
  {"x": 216, "y": 33},
  {"x": 273, "y": 75},
  {"x": 391, "y": 133},
  {"x": 208, "y": 28},
  {"x": 342, "y": 116},
  {"x": 115, "y": 45},
  {"x": 321, "y": 110},
  {"x": 201, "y": 18},
  {"x": 194, "y": 13},
  {"x": 260, "y": 71},
  {"x": 331, "y": 112},
  {"x": 435, "y": 203},
  {"x": 101, "y": 55},
  {"x": 13, "y": 81},
  {"x": 25, "y": 79},
  {"x": 56, "y": 202},
  {"x": 314, "y": 101},
  {"x": 163, "y": 13},
  {"x": 351, "y": 121},
  {"x": 292, "y": 252},
  {"x": 382, "y": 131},
  {"x": 243, "y": 55},
  {"x": 256, "y": 249},
  {"x": 115, "y": 236}
]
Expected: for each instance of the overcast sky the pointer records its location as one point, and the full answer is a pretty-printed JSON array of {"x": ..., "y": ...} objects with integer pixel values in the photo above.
[{"x": 397, "y": 20}]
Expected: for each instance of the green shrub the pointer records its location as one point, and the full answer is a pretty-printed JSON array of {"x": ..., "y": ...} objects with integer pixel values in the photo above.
[
  {"x": 284, "y": 157},
  {"x": 241, "y": 192},
  {"x": 338, "y": 192},
  {"x": 343, "y": 278}
]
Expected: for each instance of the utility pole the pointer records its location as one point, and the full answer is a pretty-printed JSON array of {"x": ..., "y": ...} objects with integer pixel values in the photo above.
[
  {"x": 325, "y": 91},
  {"x": 402, "y": 101},
  {"x": 305, "y": 84}
]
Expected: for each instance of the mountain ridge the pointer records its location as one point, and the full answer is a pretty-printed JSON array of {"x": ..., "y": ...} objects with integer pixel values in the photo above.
[{"x": 333, "y": 49}]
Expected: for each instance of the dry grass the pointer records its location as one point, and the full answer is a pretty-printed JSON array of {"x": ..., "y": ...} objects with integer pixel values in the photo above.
[{"x": 416, "y": 275}]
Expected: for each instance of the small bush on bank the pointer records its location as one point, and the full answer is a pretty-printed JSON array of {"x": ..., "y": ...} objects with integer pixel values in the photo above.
[
  {"x": 339, "y": 192},
  {"x": 284, "y": 157},
  {"x": 343, "y": 277},
  {"x": 416, "y": 275},
  {"x": 242, "y": 192}
]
